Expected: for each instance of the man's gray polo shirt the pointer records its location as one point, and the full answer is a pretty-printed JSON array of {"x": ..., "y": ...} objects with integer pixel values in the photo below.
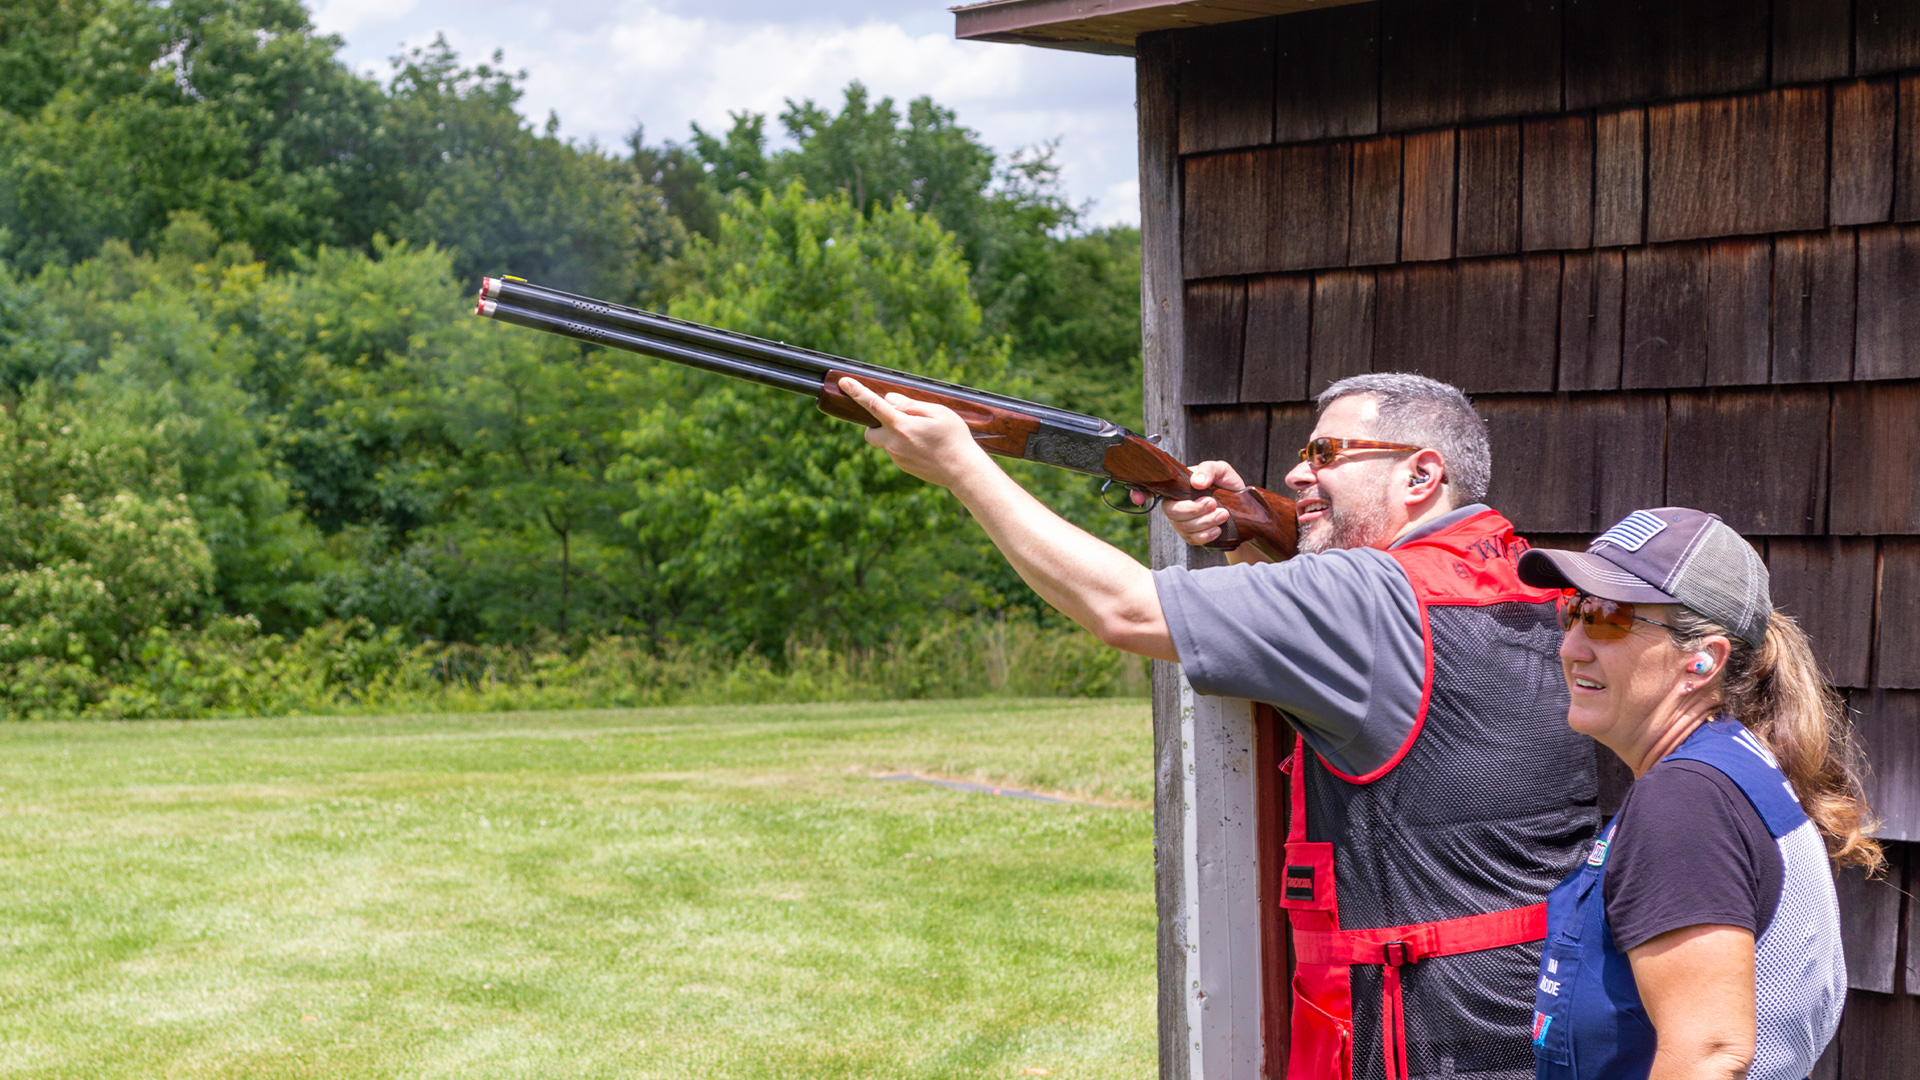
[{"x": 1333, "y": 639}]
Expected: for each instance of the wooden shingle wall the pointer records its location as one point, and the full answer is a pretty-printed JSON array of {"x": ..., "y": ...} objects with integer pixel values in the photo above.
[{"x": 1672, "y": 247}]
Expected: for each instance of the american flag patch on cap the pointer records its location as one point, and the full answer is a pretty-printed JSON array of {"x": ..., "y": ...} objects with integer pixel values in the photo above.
[{"x": 1633, "y": 531}]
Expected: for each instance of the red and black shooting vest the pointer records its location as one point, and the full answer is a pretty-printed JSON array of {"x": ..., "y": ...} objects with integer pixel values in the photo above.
[{"x": 1416, "y": 892}]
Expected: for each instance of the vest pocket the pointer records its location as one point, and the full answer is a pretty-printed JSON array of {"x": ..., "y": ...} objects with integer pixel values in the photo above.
[
  {"x": 1307, "y": 881},
  {"x": 1552, "y": 1001},
  {"x": 1322, "y": 1038}
]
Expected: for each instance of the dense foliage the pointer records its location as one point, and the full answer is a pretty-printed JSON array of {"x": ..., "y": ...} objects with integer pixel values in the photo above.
[{"x": 249, "y": 426}]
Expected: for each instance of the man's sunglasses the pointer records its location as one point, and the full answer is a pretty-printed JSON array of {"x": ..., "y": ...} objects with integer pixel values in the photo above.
[
  {"x": 1321, "y": 453},
  {"x": 1605, "y": 620}
]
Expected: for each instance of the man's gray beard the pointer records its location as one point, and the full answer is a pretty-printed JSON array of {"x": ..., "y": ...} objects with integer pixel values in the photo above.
[{"x": 1352, "y": 525}]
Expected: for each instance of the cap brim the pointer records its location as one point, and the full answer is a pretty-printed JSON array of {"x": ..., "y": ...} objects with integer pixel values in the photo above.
[{"x": 1591, "y": 574}]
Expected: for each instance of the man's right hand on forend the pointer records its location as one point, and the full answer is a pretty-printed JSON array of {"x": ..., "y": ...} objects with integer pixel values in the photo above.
[{"x": 924, "y": 438}]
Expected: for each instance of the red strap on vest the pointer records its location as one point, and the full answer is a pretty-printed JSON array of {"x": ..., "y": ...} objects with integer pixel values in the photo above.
[
  {"x": 1396, "y": 945},
  {"x": 1393, "y": 947}
]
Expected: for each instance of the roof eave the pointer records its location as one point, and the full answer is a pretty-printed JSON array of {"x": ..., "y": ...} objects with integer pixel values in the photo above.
[{"x": 1107, "y": 26}]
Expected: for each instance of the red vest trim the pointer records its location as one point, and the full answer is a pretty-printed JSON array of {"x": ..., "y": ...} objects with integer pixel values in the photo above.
[{"x": 1471, "y": 563}]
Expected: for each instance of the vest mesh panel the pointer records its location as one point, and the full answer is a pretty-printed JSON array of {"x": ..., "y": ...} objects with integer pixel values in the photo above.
[
  {"x": 1476, "y": 814},
  {"x": 1800, "y": 973}
]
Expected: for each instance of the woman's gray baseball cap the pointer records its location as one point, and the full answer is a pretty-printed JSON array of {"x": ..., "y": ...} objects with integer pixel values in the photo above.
[{"x": 1671, "y": 555}]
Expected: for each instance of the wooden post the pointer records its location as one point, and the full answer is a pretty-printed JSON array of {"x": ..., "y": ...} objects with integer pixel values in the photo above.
[{"x": 1205, "y": 823}]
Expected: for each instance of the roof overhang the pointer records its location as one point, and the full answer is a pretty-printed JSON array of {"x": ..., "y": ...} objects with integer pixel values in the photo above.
[{"x": 1107, "y": 26}]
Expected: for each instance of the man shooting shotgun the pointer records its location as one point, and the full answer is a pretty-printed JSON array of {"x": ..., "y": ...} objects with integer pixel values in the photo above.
[
  {"x": 1007, "y": 426},
  {"x": 1436, "y": 790}
]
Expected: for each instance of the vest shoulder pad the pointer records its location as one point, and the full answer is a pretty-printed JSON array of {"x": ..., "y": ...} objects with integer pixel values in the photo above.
[
  {"x": 1728, "y": 746},
  {"x": 1473, "y": 562}
]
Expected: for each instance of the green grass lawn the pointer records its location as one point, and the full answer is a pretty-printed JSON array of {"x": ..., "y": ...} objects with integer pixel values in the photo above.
[{"x": 710, "y": 892}]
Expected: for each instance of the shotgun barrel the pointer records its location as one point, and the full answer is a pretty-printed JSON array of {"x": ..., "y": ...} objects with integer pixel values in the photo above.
[
  {"x": 1000, "y": 424},
  {"x": 719, "y": 363},
  {"x": 525, "y": 295}
]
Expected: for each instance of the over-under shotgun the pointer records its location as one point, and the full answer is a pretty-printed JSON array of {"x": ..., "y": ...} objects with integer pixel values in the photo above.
[{"x": 1002, "y": 425}]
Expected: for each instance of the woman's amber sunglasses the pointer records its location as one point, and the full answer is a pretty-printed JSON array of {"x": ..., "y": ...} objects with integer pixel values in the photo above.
[
  {"x": 1605, "y": 620},
  {"x": 1321, "y": 452}
]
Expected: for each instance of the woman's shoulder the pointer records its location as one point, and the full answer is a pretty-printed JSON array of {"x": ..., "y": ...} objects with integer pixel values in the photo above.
[
  {"x": 1683, "y": 779},
  {"x": 1689, "y": 849}
]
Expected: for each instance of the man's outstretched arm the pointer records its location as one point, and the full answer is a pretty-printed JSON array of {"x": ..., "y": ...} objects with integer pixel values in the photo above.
[{"x": 1087, "y": 579}]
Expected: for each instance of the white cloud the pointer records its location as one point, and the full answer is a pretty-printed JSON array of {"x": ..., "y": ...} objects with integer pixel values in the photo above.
[
  {"x": 602, "y": 67},
  {"x": 347, "y": 17}
]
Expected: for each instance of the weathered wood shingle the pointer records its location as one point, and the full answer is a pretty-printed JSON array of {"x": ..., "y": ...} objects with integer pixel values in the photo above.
[
  {"x": 1887, "y": 327},
  {"x": 1863, "y": 152},
  {"x": 1556, "y": 198},
  {"x": 1279, "y": 325},
  {"x": 1665, "y": 343},
  {"x": 1487, "y": 206},
  {"x": 1427, "y": 187},
  {"x": 1226, "y": 86},
  {"x": 1812, "y": 311},
  {"x": 1373, "y": 230},
  {"x": 1734, "y": 166},
  {"x": 1216, "y": 328},
  {"x": 1648, "y": 50},
  {"x": 1327, "y": 74},
  {"x": 1451, "y": 61},
  {"x": 1896, "y": 654},
  {"x": 1812, "y": 40},
  {"x": 1342, "y": 327},
  {"x": 1828, "y": 584},
  {"x": 1758, "y": 458},
  {"x": 1592, "y": 307},
  {"x": 1876, "y": 459},
  {"x": 1739, "y": 311}
]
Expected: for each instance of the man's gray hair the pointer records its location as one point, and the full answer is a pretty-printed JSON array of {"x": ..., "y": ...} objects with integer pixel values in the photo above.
[{"x": 1426, "y": 412}]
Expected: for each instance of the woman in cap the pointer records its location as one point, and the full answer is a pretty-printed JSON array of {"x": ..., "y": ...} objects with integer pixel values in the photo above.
[{"x": 1702, "y": 938}]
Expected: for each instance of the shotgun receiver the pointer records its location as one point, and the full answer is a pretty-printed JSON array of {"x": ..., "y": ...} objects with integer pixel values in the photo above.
[{"x": 1002, "y": 425}]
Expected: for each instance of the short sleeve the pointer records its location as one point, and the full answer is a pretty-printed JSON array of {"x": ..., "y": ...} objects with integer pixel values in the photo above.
[
  {"x": 1689, "y": 850},
  {"x": 1334, "y": 640}
]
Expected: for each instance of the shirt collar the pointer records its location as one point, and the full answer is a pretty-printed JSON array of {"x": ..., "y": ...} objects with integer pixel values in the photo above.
[{"x": 1444, "y": 521}]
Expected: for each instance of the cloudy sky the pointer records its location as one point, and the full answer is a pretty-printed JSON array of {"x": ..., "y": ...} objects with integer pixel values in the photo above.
[{"x": 604, "y": 65}]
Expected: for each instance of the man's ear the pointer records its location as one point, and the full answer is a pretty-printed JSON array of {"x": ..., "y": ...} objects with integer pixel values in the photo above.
[{"x": 1426, "y": 475}]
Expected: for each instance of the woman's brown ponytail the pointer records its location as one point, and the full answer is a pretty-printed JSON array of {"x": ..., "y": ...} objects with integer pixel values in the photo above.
[{"x": 1778, "y": 692}]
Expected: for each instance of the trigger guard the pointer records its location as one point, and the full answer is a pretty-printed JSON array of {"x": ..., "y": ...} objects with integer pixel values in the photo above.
[{"x": 1127, "y": 507}]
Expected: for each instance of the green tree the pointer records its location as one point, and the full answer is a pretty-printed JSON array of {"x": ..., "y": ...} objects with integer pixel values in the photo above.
[
  {"x": 758, "y": 519},
  {"x": 872, "y": 155},
  {"x": 1067, "y": 300},
  {"x": 163, "y": 341},
  {"x": 736, "y": 160},
  {"x": 473, "y": 177},
  {"x": 37, "y": 41},
  {"x": 131, "y": 111},
  {"x": 97, "y": 540},
  {"x": 532, "y": 542},
  {"x": 231, "y": 108},
  {"x": 1072, "y": 308}
]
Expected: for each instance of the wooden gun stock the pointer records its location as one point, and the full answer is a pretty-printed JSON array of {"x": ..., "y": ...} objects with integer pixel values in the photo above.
[{"x": 1255, "y": 516}]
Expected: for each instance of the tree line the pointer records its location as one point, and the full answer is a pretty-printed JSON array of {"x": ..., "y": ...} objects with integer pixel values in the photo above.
[{"x": 244, "y": 405}]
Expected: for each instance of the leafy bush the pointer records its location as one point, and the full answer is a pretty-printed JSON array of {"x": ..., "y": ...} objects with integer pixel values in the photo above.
[
  {"x": 230, "y": 668},
  {"x": 97, "y": 543}
]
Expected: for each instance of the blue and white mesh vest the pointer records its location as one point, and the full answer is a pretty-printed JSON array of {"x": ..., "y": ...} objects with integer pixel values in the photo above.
[{"x": 1588, "y": 1021}]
